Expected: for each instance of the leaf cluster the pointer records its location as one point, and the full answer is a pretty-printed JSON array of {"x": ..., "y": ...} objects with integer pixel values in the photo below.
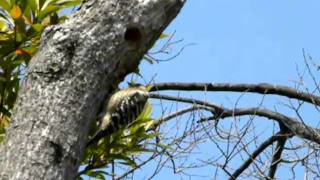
[
  {"x": 21, "y": 25},
  {"x": 121, "y": 146}
]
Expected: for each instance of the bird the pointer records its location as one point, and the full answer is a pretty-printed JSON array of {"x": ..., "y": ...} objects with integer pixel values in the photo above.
[{"x": 123, "y": 107}]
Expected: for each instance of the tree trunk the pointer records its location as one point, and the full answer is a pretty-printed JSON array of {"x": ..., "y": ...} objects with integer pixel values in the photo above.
[{"x": 78, "y": 64}]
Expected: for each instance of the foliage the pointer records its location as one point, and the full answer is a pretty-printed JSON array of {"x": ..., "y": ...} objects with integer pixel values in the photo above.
[
  {"x": 21, "y": 25},
  {"x": 121, "y": 146}
]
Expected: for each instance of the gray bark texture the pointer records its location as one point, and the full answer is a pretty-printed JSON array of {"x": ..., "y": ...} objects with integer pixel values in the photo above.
[{"x": 78, "y": 64}]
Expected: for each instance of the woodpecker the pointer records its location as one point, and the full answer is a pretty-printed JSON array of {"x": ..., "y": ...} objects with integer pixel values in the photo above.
[{"x": 123, "y": 107}]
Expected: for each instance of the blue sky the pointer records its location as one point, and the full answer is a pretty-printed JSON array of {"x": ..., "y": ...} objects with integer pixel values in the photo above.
[{"x": 240, "y": 41}]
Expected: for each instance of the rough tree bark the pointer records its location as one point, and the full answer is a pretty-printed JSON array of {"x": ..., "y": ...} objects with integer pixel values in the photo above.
[{"x": 77, "y": 66}]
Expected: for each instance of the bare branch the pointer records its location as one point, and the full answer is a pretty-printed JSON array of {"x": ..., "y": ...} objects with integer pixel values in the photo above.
[
  {"x": 179, "y": 113},
  {"x": 276, "y": 159},
  {"x": 214, "y": 107},
  {"x": 296, "y": 127},
  {"x": 256, "y": 153},
  {"x": 138, "y": 166},
  {"x": 262, "y": 88}
]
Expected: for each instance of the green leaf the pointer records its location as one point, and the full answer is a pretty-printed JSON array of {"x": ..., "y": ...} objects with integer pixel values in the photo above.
[
  {"x": 62, "y": 18},
  {"x": 16, "y": 63},
  {"x": 41, "y": 3},
  {"x": 11, "y": 2},
  {"x": 47, "y": 11},
  {"x": 139, "y": 150},
  {"x": 6, "y": 47},
  {"x": 23, "y": 4},
  {"x": 149, "y": 87},
  {"x": 46, "y": 3},
  {"x": 150, "y": 136},
  {"x": 20, "y": 30},
  {"x": 5, "y": 5},
  {"x": 3, "y": 28},
  {"x": 6, "y": 37},
  {"x": 2, "y": 137},
  {"x": 163, "y": 36},
  {"x": 5, "y": 111},
  {"x": 69, "y": 3},
  {"x": 95, "y": 174},
  {"x": 53, "y": 6},
  {"x": 35, "y": 30},
  {"x": 117, "y": 144},
  {"x": 163, "y": 146},
  {"x": 33, "y": 4},
  {"x": 146, "y": 113},
  {"x": 20, "y": 36},
  {"x": 4, "y": 123},
  {"x": 12, "y": 89},
  {"x": 128, "y": 160},
  {"x": 54, "y": 18}
]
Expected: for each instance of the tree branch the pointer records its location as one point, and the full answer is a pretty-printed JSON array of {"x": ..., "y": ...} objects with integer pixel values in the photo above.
[
  {"x": 256, "y": 153},
  {"x": 276, "y": 159},
  {"x": 295, "y": 127},
  {"x": 215, "y": 107},
  {"x": 262, "y": 88},
  {"x": 178, "y": 113}
]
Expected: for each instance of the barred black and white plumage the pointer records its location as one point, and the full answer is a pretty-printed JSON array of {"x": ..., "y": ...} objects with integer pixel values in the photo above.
[{"x": 123, "y": 107}]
